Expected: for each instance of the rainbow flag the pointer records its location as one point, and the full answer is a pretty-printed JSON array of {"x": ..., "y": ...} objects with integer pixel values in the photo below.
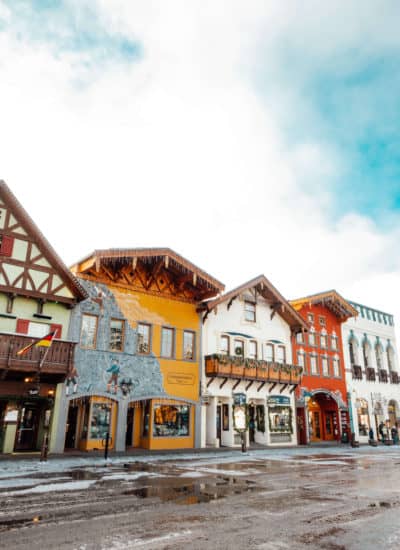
[{"x": 44, "y": 342}]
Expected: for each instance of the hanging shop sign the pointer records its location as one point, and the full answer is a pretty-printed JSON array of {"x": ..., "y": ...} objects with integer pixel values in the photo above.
[
  {"x": 277, "y": 400},
  {"x": 11, "y": 415},
  {"x": 240, "y": 418}
]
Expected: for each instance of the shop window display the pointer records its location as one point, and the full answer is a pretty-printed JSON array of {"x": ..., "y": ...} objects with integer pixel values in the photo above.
[
  {"x": 280, "y": 419},
  {"x": 362, "y": 416},
  {"x": 171, "y": 421},
  {"x": 100, "y": 420}
]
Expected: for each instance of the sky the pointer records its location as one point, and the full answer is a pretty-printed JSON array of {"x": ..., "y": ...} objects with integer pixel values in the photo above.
[{"x": 249, "y": 137}]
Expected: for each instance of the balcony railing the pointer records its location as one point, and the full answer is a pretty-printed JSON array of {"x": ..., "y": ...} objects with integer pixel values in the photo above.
[
  {"x": 394, "y": 377},
  {"x": 383, "y": 375},
  {"x": 57, "y": 363},
  {"x": 370, "y": 374},
  {"x": 356, "y": 371},
  {"x": 227, "y": 366}
]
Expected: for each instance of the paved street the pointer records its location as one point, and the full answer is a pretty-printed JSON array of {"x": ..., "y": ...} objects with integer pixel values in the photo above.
[{"x": 330, "y": 498}]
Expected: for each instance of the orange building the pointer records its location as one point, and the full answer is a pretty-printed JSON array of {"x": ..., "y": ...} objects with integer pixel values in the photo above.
[
  {"x": 137, "y": 376},
  {"x": 321, "y": 400}
]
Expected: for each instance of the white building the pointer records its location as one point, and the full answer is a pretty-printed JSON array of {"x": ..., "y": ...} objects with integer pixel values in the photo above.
[
  {"x": 371, "y": 370},
  {"x": 246, "y": 349}
]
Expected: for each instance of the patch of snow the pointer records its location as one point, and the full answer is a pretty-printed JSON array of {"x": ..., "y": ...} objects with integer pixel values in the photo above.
[{"x": 68, "y": 486}]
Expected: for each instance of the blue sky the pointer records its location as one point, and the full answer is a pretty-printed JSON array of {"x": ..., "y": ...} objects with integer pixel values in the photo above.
[{"x": 251, "y": 138}]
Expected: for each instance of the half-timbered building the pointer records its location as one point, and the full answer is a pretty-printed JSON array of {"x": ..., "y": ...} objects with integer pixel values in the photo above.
[
  {"x": 137, "y": 363},
  {"x": 37, "y": 294}
]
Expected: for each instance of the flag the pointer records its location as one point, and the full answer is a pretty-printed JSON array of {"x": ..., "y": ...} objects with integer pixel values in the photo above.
[{"x": 44, "y": 342}]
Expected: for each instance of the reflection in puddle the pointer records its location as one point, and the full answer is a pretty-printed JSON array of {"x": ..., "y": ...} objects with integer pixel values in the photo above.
[
  {"x": 83, "y": 474},
  {"x": 193, "y": 493}
]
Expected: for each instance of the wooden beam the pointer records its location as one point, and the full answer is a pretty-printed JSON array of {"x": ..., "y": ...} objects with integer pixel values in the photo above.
[
  {"x": 210, "y": 381},
  {"x": 275, "y": 307},
  {"x": 249, "y": 384},
  {"x": 261, "y": 386},
  {"x": 236, "y": 384},
  {"x": 230, "y": 302},
  {"x": 224, "y": 381},
  {"x": 292, "y": 390},
  {"x": 204, "y": 319},
  {"x": 283, "y": 388},
  {"x": 272, "y": 386}
]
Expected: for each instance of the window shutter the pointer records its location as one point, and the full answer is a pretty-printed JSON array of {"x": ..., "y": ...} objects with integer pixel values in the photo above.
[
  {"x": 22, "y": 326},
  {"x": 7, "y": 244},
  {"x": 57, "y": 329}
]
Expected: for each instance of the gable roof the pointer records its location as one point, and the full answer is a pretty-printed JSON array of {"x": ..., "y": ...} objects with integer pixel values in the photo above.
[
  {"x": 12, "y": 203},
  {"x": 267, "y": 290},
  {"x": 332, "y": 300},
  {"x": 201, "y": 283}
]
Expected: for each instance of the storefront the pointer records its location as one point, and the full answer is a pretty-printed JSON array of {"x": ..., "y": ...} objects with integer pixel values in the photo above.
[
  {"x": 280, "y": 419},
  {"x": 323, "y": 418},
  {"x": 362, "y": 417}
]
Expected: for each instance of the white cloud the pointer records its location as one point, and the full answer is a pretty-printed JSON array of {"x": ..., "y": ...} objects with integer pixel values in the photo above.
[{"x": 179, "y": 149}]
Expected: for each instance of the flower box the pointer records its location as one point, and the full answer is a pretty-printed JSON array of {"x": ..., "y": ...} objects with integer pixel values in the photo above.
[
  {"x": 250, "y": 372},
  {"x": 274, "y": 372},
  {"x": 262, "y": 373},
  {"x": 224, "y": 368},
  {"x": 284, "y": 376},
  {"x": 237, "y": 370}
]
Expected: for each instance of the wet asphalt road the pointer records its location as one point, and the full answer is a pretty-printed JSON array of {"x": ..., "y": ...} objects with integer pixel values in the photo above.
[{"x": 323, "y": 498}]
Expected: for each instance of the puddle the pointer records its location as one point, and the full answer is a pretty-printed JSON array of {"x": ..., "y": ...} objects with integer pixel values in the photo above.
[
  {"x": 78, "y": 475},
  {"x": 193, "y": 493}
]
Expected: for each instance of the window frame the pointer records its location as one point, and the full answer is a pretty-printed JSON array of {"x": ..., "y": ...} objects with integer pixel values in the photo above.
[
  {"x": 93, "y": 316},
  {"x": 269, "y": 346},
  {"x": 281, "y": 347},
  {"x": 193, "y": 334},
  {"x": 149, "y": 326},
  {"x": 228, "y": 340},
  {"x": 252, "y": 311},
  {"x": 172, "y": 331},
  {"x": 122, "y": 321},
  {"x": 313, "y": 356},
  {"x": 255, "y": 343}
]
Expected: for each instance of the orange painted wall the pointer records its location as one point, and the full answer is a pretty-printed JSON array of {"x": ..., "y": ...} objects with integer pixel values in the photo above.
[{"x": 313, "y": 382}]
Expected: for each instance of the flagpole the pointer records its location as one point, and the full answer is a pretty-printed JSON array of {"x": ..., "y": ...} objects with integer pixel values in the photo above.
[{"x": 45, "y": 442}]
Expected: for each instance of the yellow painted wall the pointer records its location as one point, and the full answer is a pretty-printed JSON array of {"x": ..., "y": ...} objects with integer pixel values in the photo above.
[{"x": 180, "y": 376}]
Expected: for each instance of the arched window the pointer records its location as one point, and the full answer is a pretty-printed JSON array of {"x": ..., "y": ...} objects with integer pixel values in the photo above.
[
  {"x": 378, "y": 355},
  {"x": 366, "y": 348},
  {"x": 390, "y": 358}
]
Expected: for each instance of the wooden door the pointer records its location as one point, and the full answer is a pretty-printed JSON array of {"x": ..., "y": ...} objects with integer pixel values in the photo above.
[
  {"x": 27, "y": 430},
  {"x": 329, "y": 426},
  {"x": 218, "y": 421}
]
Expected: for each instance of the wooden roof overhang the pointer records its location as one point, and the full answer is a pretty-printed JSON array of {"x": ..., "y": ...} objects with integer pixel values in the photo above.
[
  {"x": 152, "y": 270},
  {"x": 9, "y": 199},
  {"x": 330, "y": 299},
  {"x": 264, "y": 288}
]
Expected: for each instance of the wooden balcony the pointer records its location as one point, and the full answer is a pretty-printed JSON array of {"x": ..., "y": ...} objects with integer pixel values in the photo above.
[
  {"x": 394, "y": 377},
  {"x": 225, "y": 366},
  {"x": 57, "y": 363}
]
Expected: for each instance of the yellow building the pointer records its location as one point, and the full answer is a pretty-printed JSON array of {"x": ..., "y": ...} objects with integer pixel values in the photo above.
[{"x": 138, "y": 360}]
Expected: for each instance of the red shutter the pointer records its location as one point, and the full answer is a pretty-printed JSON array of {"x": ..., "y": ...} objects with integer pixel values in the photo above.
[
  {"x": 7, "y": 244},
  {"x": 22, "y": 326},
  {"x": 57, "y": 329}
]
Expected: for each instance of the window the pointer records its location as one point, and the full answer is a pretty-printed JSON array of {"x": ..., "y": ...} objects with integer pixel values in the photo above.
[
  {"x": 188, "y": 345},
  {"x": 253, "y": 349},
  {"x": 116, "y": 334},
  {"x": 89, "y": 331},
  {"x": 225, "y": 417},
  {"x": 352, "y": 354},
  {"x": 171, "y": 420},
  {"x": 6, "y": 245},
  {"x": 281, "y": 354},
  {"x": 385, "y": 319},
  {"x": 224, "y": 345},
  {"x": 250, "y": 311},
  {"x": 300, "y": 338},
  {"x": 311, "y": 338},
  {"x": 238, "y": 346},
  {"x": 300, "y": 359},
  {"x": 323, "y": 341},
  {"x": 362, "y": 416},
  {"x": 362, "y": 312},
  {"x": 313, "y": 364},
  {"x": 325, "y": 366},
  {"x": 378, "y": 355},
  {"x": 322, "y": 321},
  {"x": 368, "y": 314},
  {"x": 143, "y": 338},
  {"x": 334, "y": 341},
  {"x": 336, "y": 367},
  {"x": 268, "y": 352},
  {"x": 310, "y": 317},
  {"x": 366, "y": 354},
  {"x": 373, "y": 315},
  {"x": 100, "y": 420},
  {"x": 167, "y": 342}
]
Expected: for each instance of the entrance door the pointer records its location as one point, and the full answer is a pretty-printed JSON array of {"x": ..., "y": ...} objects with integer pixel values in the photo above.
[
  {"x": 252, "y": 424},
  {"x": 315, "y": 425},
  {"x": 218, "y": 420},
  {"x": 26, "y": 437},
  {"x": 130, "y": 421},
  {"x": 70, "y": 435},
  {"x": 329, "y": 426}
]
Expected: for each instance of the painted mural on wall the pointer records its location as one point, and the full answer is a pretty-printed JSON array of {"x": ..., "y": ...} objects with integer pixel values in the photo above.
[{"x": 122, "y": 374}]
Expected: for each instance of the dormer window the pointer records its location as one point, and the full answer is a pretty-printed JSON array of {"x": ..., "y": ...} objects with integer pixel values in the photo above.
[{"x": 250, "y": 311}]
